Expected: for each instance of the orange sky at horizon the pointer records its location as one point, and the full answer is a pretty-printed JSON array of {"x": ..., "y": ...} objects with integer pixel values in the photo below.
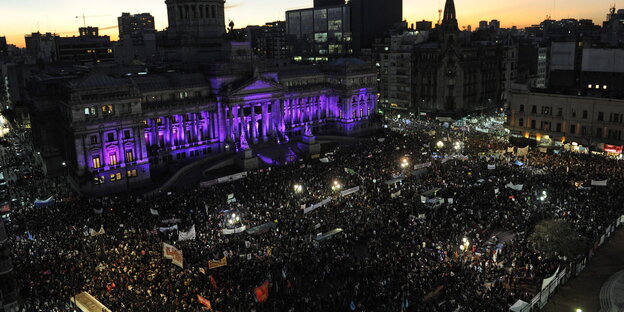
[{"x": 18, "y": 19}]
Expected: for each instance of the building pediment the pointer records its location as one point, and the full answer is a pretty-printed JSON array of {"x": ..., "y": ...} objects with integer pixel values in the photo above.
[{"x": 256, "y": 85}]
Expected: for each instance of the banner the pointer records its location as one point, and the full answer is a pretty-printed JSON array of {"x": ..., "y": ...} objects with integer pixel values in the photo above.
[
  {"x": 543, "y": 150},
  {"x": 169, "y": 228},
  {"x": 234, "y": 231},
  {"x": 176, "y": 256},
  {"x": 87, "y": 303},
  {"x": 261, "y": 228},
  {"x": 92, "y": 232},
  {"x": 262, "y": 292},
  {"x": 522, "y": 151},
  {"x": 329, "y": 234},
  {"x": 230, "y": 199},
  {"x": 394, "y": 181},
  {"x": 45, "y": 202},
  {"x": 599, "y": 183},
  {"x": 422, "y": 216},
  {"x": 514, "y": 186},
  {"x": 98, "y": 211},
  {"x": 548, "y": 280},
  {"x": 154, "y": 212},
  {"x": 190, "y": 235},
  {"x": 449, "y": 200},
  {"x": 324, "y": 160},
  {"x": 213, "y": 264},
  {"x": 317, "y": 205},
  {"x": 350, "y": 191},
  {"x": 422, "y": 166},
  {"x": 225, "y": 179},
  {"x": 510, "y": 150},
  {"x": 204, "y": 301},
  {"x": 423, "y": 199},
  {"x": 171, "y": 221},
  {"x": 491, "y": 167},
  {"x": 395, "y": 195}
]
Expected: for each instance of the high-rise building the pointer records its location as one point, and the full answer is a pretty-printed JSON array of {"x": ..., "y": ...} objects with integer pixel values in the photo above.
[
  {"x": 495, "y": 25},
  {"x": 322, "y": 3},
  {"x": 269, "y": 40},
  {"x": 41, "y": 47},
  {"x": 135, "y": 24},
  {"x": 423, "y": 25},
  {"x": 483, "y": 25},
  {"x": 4, "y": 49},
  {"x": 137, "y": 38},
  {"x": 372, "y": 19},
  {"x": 88, "y": 47}
]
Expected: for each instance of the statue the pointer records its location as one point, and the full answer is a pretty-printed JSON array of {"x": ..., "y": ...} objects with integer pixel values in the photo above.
[
  {"x": 243, "y": 141},
  {"x": 307, "y": 131}
]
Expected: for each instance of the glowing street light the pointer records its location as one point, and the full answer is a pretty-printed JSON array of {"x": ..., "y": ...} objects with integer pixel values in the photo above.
[
  {"x": 579, "y": 310},
  {"x": 298, "y": 188},
  {"x": 440, "y": 144},
  {"x": 404, "y": 162},
  {"x": 336, "y": 186}
]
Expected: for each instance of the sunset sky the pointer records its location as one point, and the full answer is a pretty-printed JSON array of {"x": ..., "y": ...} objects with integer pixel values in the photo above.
[{"x": 18, "y": 18}]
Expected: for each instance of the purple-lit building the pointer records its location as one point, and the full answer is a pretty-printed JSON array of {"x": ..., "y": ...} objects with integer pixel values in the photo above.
[{"x": 119, "y": 131}]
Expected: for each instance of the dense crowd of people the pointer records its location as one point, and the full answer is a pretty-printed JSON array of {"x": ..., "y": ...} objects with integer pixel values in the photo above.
[{"x": 395, "y": 252}]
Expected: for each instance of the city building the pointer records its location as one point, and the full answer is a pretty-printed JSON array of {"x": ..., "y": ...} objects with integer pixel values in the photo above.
[
  {"x": 483, "y": 25},
  {"x": 423, "y": 25},
  {"x": 112, "y": 133},
  {"x": 269, "y": 41},
  {"x": 543, "y": 55},
  {"x": 445, "y": 72},
  {"x": 494, "y": 25},
  {"x": 137, "y": 38},
  {"x": 196, "y": 31},
  {"x": 316, "y": 34},
  {"x": 337, "y": 28},
  {"x": 613, "y": 29},
  {"x": 88, "y": 47},
  {"x": 552, "y": 119},
  {"x": 41, "y": 48},
  {"x": 4, "y": 49},
  {"x": 323, "y": 3}
]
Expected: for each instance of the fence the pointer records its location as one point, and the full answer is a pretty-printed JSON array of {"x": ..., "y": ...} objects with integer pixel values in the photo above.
[{"x": 572, "y": 270}]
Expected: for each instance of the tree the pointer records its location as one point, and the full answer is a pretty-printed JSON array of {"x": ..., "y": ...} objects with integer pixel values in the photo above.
[{"x": 557, "y": 238}]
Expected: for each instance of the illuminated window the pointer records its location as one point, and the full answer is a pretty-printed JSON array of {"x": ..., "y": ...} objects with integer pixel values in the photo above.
[
  {"x": 145, "y": 122},
  {"x": 89, "y": 111},
  {"x": 159, "y": 121},
  {"x": 107, "y": 109},
  {"x": 112, "y": 159},
  {"x": 604, "y": 87},
  {"x": 132, "y": 173},
  {"x": 589, "y": 86},
  {"x": 99, "y": 180},
  {"x": 115, "y": 177},
  {"x": 96, "y": 162},
  {"x": 597, "y": 86},
  {"x": 129, "y": 156}
]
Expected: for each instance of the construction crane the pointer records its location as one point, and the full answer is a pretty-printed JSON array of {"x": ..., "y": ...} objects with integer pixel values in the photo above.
[{"x": 84, "y": 18}]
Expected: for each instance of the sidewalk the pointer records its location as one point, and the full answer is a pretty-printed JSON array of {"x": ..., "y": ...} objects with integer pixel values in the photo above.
[{"x": 583, "y": 292}]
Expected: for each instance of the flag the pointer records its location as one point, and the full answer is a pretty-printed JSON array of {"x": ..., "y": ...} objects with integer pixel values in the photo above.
[
  {"x": 352, "y": 306},
  {"x": 213, "y": 282},
  {"x": 491, "y": 167},
  {"x": 213, "y": 264},
  {"x": 30, "y": 237},
  {"x": 154, "y": 212},
  {"x": 350, "y": 171},
  {"x": 262, "y": 292},
  {"x": 190, "y": 235},
  {"x": 204, "y": 301}
]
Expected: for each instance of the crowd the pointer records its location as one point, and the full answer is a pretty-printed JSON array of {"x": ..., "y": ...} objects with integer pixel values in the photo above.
[{"x": 395, "y": 252}]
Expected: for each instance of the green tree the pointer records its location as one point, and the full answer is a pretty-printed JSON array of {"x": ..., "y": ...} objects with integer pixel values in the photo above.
[{"x": 553, "y": 238}]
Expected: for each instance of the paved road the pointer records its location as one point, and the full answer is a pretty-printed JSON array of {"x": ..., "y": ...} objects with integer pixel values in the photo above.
[{"x": 584, "y": 291}]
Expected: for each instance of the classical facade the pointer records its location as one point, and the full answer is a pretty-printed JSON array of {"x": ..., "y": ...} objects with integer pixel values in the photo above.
[{"x": 121, "y": 130}]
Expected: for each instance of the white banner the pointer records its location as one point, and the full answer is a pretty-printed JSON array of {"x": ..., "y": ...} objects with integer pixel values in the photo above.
[
  {"x": 154, "y": 212},
  {"x": 225, "y": 179},
  {"x": 599, "y": 183},
  {"x": 422, "y": 216},
  {"x": 422, "y": 166},
  {"x": 395, "y": 195},
  {"x": 548, "y": 280},
  {"x": 234, "y": 231},
  {"x": 190, "y": 235},
  {"x": 171, "y": 221},
  {"x": 169, "y": 228},
  {"x": 317, "y": 205},
  {"x": 324, "y": 160},
  {"x": 491, "y": 167},
  {"x": 423, "y": 199},
  {"x": 449, "y": 200},
  {"x": 92, "y": 232},
  {"x": 522, "y": 151},
  {"x": 350, "y": 191},
  {"x": 98, "y": 211},
  {"x": 514, "y": 186}
]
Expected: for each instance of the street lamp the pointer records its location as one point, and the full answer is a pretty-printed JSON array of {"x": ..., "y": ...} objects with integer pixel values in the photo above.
[
  {"x": 336, "y": 186},
  {"x": 298, "y": 188},
  {"x": 440, "y": 144},
  {"x": 404, "y": 162}
]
